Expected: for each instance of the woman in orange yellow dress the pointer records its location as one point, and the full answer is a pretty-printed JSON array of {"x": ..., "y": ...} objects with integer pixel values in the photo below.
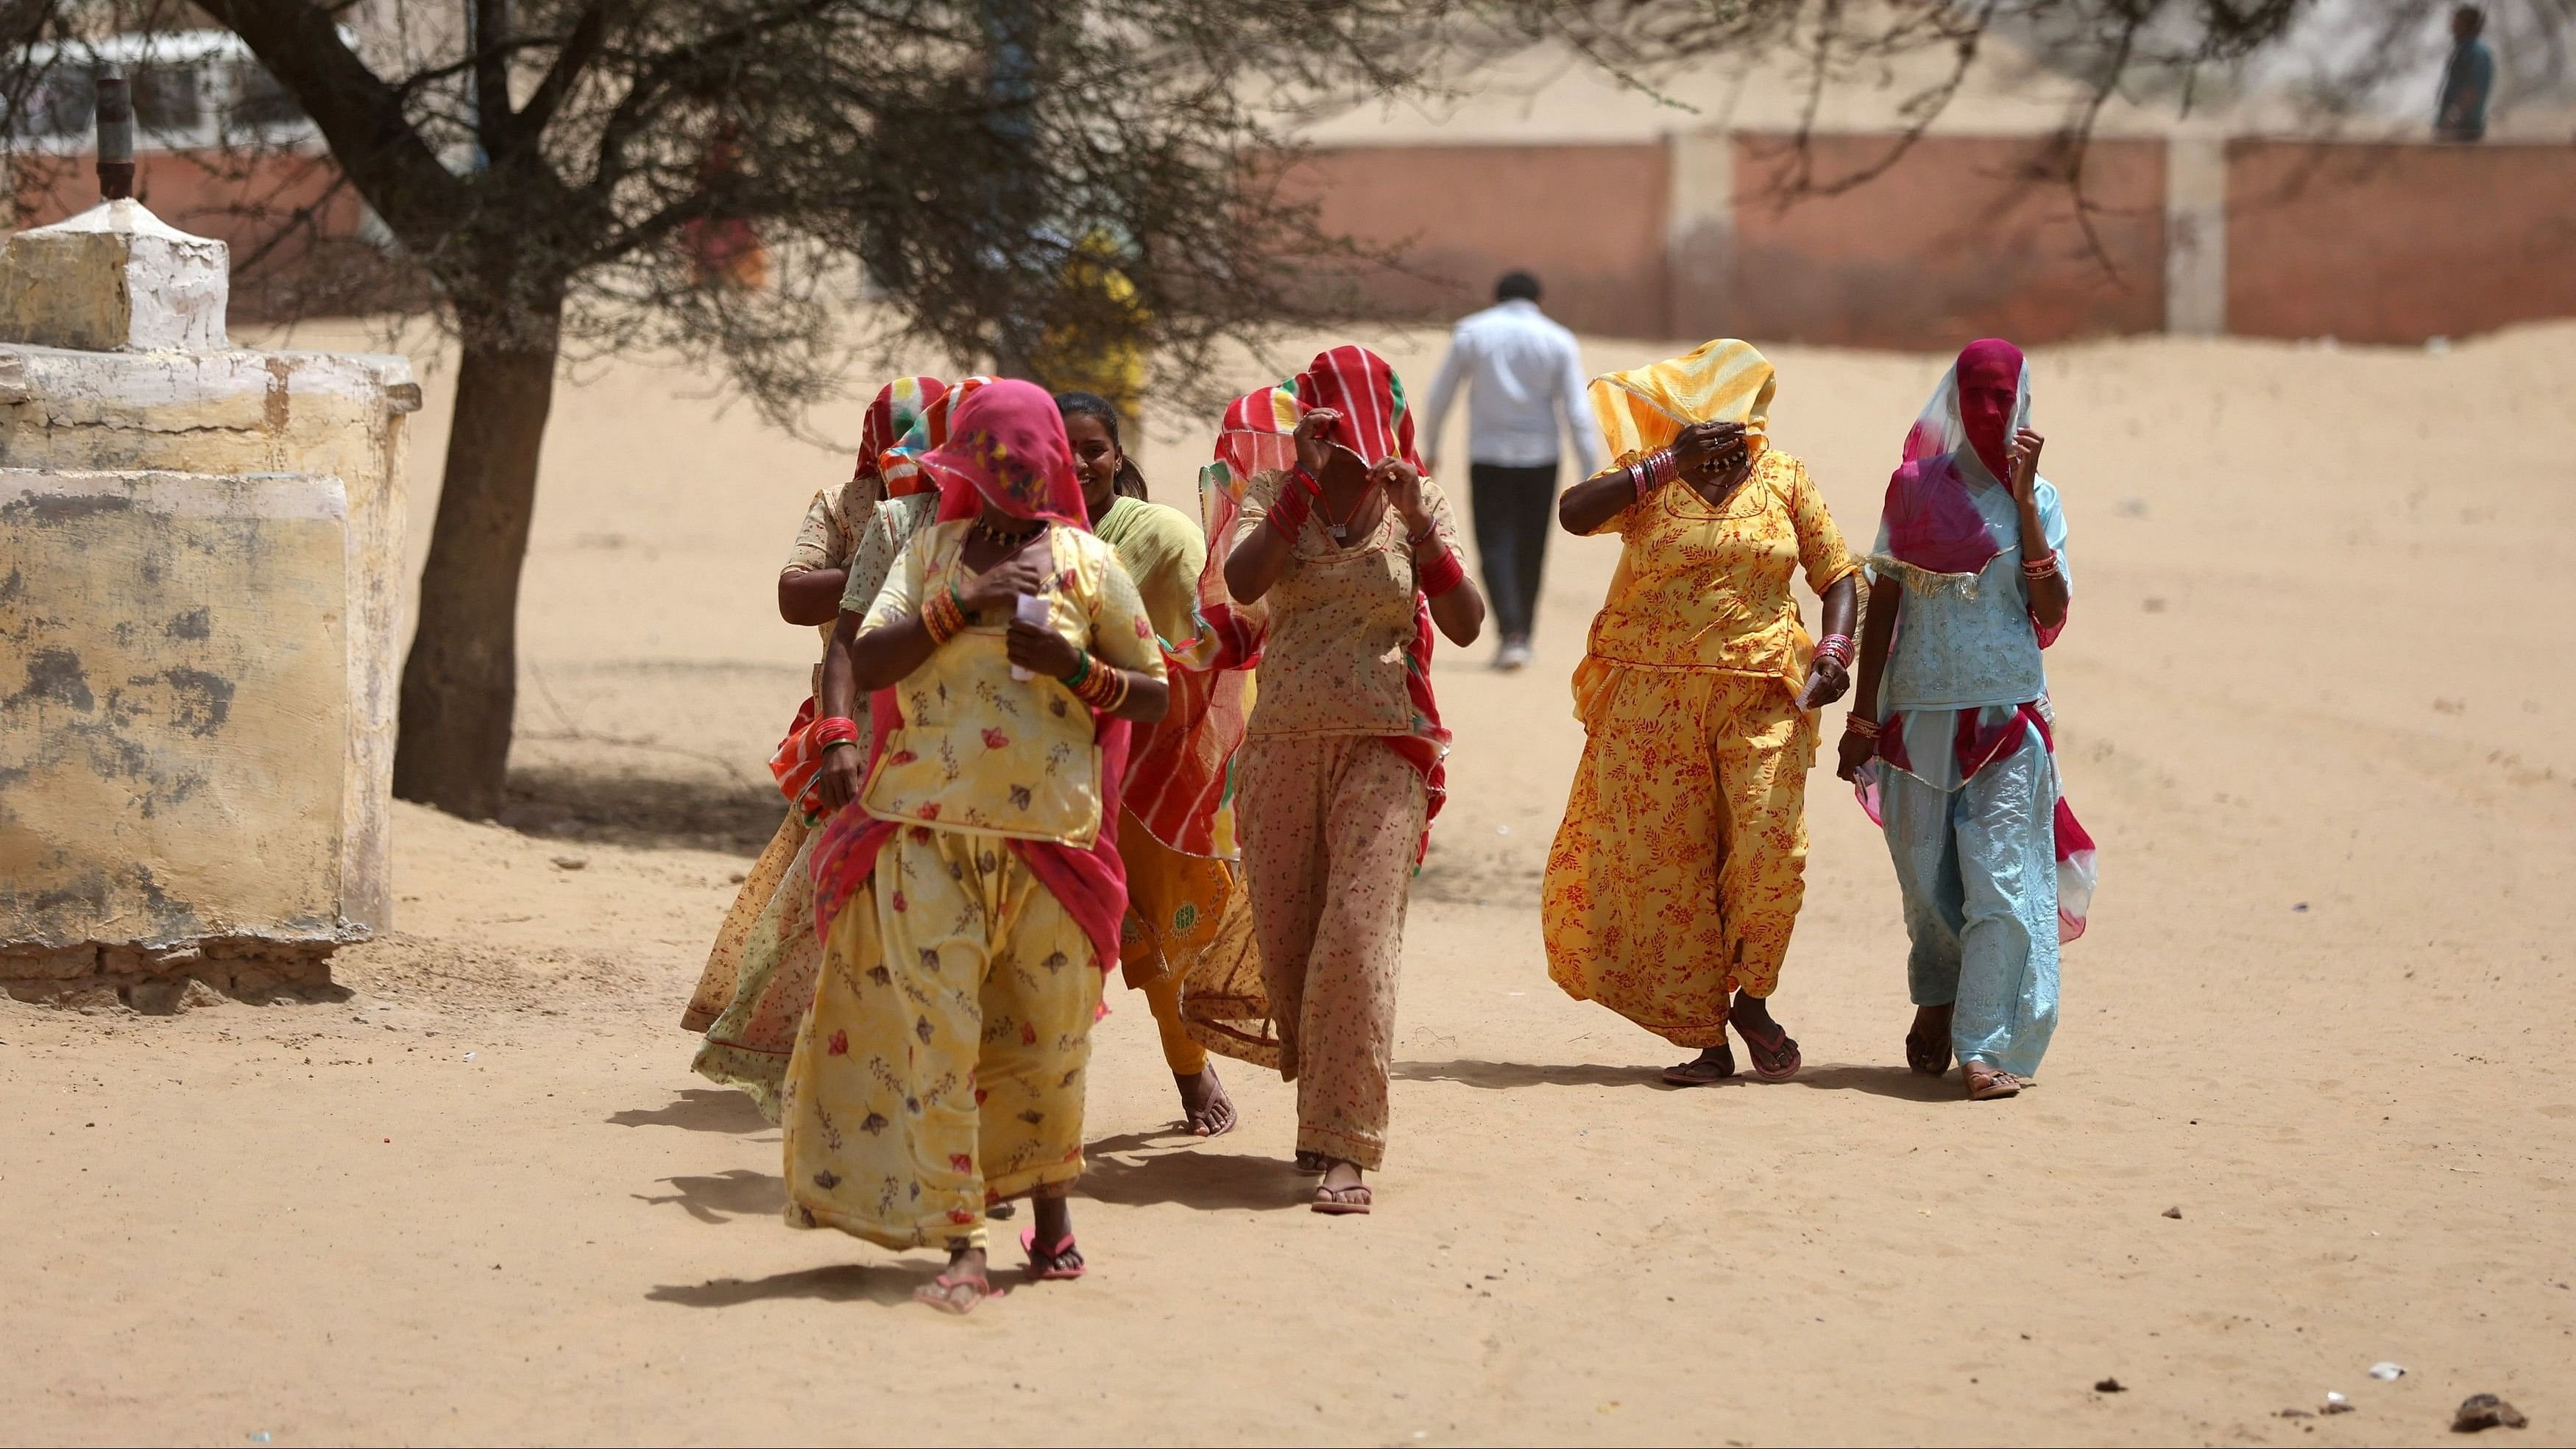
[{"x": 1676, "y": 877}]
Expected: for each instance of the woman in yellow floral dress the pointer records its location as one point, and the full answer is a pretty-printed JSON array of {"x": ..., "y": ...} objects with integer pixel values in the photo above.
[
  {"x": 1675, "y": 880},
  {"x": 968, "y": 889}
]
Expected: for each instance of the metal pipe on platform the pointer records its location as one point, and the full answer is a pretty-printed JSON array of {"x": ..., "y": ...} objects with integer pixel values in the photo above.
[{"x": 115, "y": 138}]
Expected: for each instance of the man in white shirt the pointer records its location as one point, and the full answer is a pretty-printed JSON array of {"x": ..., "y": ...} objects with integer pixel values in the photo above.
[{"x": 1526, "y": 376}]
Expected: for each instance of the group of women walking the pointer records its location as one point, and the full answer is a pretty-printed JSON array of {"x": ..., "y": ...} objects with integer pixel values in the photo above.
[{"x": 1036, "y": 748}]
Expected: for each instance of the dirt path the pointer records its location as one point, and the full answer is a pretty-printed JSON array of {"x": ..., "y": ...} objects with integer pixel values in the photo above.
[{"x": 2322, "y": 1012}]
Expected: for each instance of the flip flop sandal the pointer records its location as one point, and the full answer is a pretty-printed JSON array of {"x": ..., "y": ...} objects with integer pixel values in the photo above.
[
  {"x": 1780, "y": 1049},
  {"x": 1048, "y": 1267},
  {"x": 941, "y": 1292},
  {"x": 1331, "y": 1201},
  {"x": 1200, "y": 1123},
  {"x": 1702, "y": 1071}
]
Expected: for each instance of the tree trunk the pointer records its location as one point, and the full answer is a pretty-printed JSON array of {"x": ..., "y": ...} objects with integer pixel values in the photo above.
[{"x": 461, "y": 682}]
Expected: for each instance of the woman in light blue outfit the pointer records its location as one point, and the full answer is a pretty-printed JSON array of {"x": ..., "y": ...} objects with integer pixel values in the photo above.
[{"x": 1950, "y": 734}]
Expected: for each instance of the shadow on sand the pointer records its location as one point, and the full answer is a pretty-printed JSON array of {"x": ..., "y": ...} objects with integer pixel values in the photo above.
[
  {"x": 698, "y": 1109},
  {"x": 841, "y": 1283},
  {"x": 648, "y": 811},
  {"x": 1504, "y": 1076},
  {"x": 1903, "y": 1083},
  {"x": 739, "y": 1193},
  {"x": 1140, "y": 1169},
  {"x": 1878, "y": 1081}
]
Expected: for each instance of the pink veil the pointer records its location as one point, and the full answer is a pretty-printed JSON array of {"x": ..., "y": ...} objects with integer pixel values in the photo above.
[{"x": 1935, "y": 535}]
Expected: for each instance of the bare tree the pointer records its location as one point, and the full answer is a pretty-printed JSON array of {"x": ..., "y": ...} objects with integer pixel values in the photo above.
[{"x": 552, "y": 173}]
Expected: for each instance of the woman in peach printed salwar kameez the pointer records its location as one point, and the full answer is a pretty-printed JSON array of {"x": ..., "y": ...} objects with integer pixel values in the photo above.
[
  {"x": 968, "y": 888},
  {"x": 1676, "y": 877},
  {"x": 1348, "y": 551}
]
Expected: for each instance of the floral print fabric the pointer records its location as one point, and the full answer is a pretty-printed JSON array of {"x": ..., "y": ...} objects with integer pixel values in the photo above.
[
  {"x": 1342, "y": 625},
  {"x": 760, "y": 976},
  {"x": 733, "y": 935},
  {"x": 942, "y": 1065},
  {"x": 1708, "y": 586},
  {"x": 1677, "y": 875},
  {"x": 1331, "y": 826},
  {"x": 977, "y": 750},
  {"x": 748, "y": 1044}
]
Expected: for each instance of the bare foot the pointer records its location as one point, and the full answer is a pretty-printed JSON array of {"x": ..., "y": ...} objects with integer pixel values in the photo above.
[
  {"x": 1204, "y": 1104},
  {"x": 1927, "y": 1046},
  {"x": 1341, "y": 1191},
  {"x": 1716, "y": 1064}
]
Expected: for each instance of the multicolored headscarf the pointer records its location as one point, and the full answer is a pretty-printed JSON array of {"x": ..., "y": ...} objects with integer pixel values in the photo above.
[
  {"x": 1258, "y": 436},
  {"x": 1646, "y": 408},
  {"x": 1935, "y": 535},
  {"x": 897, "y": 409},
  {"x": 901, "y": 462}
]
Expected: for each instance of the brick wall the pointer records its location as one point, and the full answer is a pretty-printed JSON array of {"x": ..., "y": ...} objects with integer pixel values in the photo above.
[{"x": 2397, "y": 243}]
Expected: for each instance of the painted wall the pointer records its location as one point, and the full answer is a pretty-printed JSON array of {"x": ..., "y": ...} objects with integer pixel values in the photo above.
[
  {"x": 173, "y": 703},
  {"x": 1962, "y": 235},
  {"x": 2398, "y": 243},
  {"x": 1587, "y": 218},
  {"x": 280, "y": 268},
  {"x": 236, "y": 412}
]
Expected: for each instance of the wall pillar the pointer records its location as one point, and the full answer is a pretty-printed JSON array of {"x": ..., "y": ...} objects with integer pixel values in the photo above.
[
  {"x": 1699, "y": 232},
  {"x": 2196, "y": 235}
]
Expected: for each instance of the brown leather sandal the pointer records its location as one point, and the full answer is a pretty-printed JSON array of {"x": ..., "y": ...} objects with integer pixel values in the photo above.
[
  {"x": 1707, "y": 1069},
  {"x": 1987, "y": 1084}
]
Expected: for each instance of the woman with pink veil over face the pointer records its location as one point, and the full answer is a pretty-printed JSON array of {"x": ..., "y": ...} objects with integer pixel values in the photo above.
[
  {"x": 1951, "y": 737},
  {"x": 967, "y": 885}
]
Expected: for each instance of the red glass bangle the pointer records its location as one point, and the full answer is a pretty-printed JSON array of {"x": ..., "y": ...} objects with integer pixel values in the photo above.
[{"x": 1442, "y": 574}]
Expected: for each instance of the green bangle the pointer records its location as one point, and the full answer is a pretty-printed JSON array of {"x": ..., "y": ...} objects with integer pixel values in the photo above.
[{"x": 1081, "y": 669}]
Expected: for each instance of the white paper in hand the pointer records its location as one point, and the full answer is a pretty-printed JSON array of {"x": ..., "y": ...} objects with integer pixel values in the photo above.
[{"x": 1032, "y": 610}]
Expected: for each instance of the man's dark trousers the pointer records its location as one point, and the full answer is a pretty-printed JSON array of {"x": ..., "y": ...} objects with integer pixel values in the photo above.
[{"x": 1514, "y": 508}]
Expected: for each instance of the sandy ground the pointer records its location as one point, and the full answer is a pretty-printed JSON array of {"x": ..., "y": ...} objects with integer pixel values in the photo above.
[{"x": 2323, "y": 1012}]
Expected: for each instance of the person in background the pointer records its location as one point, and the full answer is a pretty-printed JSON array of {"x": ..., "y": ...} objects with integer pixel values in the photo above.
[
  {"x": 1527, "y": 377},
  {"x": 2468, "y": 81}
]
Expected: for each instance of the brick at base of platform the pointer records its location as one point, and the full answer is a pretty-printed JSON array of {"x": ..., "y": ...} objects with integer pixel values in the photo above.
[{"x": 163, "y": 980}]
